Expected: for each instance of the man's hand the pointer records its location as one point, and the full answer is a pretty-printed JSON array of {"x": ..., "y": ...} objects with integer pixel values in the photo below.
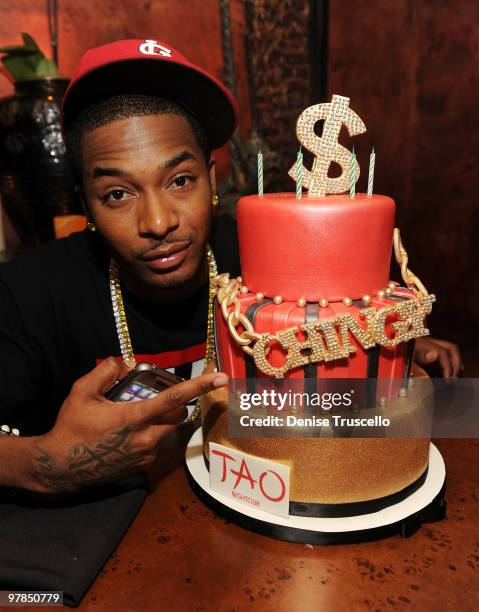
[
  {"x": 95, "y": 440},
  {"x": 429, "y": 350}
]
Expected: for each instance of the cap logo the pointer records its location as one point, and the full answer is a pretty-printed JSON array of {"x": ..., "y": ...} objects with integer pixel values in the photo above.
[{"x": 153, "y": 47}]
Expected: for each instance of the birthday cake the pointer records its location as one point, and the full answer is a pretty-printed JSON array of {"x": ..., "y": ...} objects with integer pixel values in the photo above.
[{"x": 315, "y": 303}]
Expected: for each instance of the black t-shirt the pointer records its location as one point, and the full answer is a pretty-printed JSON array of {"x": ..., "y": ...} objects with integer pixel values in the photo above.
[{"x": 56, "y": 324}]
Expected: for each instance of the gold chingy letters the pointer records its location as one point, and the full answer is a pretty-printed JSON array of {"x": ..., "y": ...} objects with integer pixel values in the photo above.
[
  {"x": 329, "y": 339},
  {"x": 348, "y": 323},
  {"x": 303, "y": 352},
  {"x": 261, "y": 349},
  {"x": 379, "y": 326}
]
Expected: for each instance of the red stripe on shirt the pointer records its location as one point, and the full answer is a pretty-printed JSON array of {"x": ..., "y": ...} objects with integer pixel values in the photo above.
[{"x": 172, "y": 359}]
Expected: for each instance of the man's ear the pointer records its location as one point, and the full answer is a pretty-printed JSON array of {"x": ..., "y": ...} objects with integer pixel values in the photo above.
[{"x": 211, "y": 170}]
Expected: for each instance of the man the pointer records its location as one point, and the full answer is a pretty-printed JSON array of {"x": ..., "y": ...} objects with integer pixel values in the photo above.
[{"x": 140, "y": 122}]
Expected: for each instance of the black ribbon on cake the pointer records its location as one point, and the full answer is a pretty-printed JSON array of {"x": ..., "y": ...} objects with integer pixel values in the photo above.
[
  {"x": 406, "y": 527},
  {"x": 355, "y": 508}
]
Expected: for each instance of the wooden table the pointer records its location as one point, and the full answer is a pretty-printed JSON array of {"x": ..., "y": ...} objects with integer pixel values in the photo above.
[{"x": 180, "y": 556}]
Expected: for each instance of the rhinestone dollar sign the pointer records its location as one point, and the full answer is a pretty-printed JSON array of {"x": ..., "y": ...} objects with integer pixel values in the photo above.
[{"x": 326, "y": 148}]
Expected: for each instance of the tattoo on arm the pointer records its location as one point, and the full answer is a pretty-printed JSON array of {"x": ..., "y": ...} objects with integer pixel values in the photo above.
[{"x": 86, "y": 464}]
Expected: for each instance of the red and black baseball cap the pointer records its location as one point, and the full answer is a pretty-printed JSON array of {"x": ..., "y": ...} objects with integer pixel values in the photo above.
[{"x": 154, "y": 68}]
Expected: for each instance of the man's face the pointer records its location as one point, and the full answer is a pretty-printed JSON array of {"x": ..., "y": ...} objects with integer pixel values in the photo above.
[{"x": 148, "y": 189}]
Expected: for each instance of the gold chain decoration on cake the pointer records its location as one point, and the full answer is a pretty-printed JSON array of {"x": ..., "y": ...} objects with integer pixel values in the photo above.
[
  {"x": 326, "y": 339},
  {"x": 227, "y": 295},
  {"x": 410, "y": 279},
  {"x": 326, "y": 148}
]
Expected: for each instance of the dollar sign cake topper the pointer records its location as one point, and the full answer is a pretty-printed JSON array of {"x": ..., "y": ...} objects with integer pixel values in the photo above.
[{"x": 326, "y": 148}]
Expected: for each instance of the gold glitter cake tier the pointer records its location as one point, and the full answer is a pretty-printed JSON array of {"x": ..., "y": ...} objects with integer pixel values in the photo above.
[{"x": 339, "y": 470}]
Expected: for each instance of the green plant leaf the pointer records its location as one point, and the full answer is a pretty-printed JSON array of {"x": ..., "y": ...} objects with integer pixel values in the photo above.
[
  {"x": 18, "y": 49},
  {"x": 46, "y": 67},
  {"x": 18, "y": 68},
  {"x": 32, "y": 60},
  {"x": 27, "y": 61},
  {"x": 30, "y": 43}
]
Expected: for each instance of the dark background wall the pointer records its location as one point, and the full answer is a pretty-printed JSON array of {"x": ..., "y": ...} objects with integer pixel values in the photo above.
[
  {"x": 411, "y": 70},
  {"x": 409, "y": 67}
]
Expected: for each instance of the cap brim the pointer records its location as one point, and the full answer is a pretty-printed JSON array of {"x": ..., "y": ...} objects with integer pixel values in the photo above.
[{"x": 207, "y": 99}]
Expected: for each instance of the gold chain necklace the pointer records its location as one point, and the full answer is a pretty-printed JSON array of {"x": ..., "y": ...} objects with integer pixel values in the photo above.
[{"x": 122, "y": 325}]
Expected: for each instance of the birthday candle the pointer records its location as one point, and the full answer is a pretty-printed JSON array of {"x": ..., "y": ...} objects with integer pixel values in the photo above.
[
  {"x": 352, "y": 176},
  {"x": 372, "y": 161},
  {"x": 299, "y": 175},
  {"x": 260, "y": 174}
]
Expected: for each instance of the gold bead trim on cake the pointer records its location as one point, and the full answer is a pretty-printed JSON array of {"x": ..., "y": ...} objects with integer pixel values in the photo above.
[
  {"x": 301, "y": 302},
  {"x": 328, "y": 339}
]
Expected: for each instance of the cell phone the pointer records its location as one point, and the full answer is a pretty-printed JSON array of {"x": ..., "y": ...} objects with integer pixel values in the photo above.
[{"x": 145, "y": 381}]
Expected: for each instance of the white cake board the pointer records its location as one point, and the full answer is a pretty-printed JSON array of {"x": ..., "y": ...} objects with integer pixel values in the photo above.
[{"x": 424, "y": 505}]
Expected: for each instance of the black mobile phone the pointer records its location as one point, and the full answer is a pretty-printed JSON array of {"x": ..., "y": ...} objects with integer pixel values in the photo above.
[{"x": 143, "y": 382}]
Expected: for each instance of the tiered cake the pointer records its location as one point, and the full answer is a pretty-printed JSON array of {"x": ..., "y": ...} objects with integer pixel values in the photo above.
[{"x": 315, "y": 302}]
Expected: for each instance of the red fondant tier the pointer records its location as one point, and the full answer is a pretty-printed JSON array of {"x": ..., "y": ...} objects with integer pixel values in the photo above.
[
  {"x": 331, "y": 247},
  {"x": 390, "y": 364}
]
